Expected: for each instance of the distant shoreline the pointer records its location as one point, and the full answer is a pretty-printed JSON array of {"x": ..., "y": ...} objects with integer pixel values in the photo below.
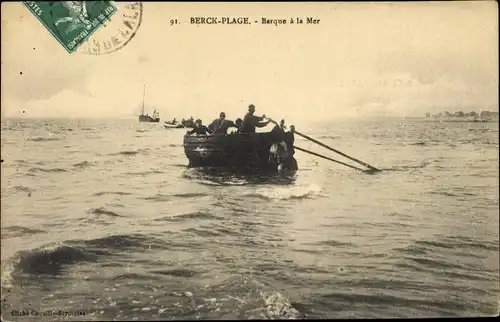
[
  {"x": 458, "y": 119},
  {"x": 68, "y": 118},
  {"x": 442, "y": 119}
]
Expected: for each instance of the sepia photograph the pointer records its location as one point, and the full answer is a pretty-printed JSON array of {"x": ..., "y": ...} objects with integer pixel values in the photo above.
[{"x": 244, "y": 160}]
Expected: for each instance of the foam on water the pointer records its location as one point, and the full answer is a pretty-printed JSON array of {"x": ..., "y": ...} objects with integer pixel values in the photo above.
[{"x": 310, "y": 191}]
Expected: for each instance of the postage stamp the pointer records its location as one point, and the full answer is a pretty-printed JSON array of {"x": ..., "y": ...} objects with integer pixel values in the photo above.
[
  {"x": 72, "y": 22},
  {"x": 117, "y": 32}
]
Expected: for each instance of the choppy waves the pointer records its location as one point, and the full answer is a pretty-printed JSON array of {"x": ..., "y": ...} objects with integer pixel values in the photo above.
[
  {"x": 120, "y": 228},
  {"x": 83, "y": 164},
  {"x": 104, "y": 212},
  {"x": 45, "y": 139},
  {"x": 131, "y": 152},
  {"x": 20, "y": 231},
  {"x": 286, "y": 193},
  {"x": 231, "y": 297},
  {"x": 50, "y": 170},
  {"x": 190, "y": 216}
]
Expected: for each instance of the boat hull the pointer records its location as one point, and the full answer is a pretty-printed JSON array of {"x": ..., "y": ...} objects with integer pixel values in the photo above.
[
  {"x": 188, "y": 124},
  {"x": 173, "y": 126},
  {"x": 235, "y": 152},
  {"x": 146, "y": 118}
]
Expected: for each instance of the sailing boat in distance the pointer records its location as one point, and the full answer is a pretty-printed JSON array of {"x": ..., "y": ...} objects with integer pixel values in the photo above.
[{"x": 145, "y": 117}]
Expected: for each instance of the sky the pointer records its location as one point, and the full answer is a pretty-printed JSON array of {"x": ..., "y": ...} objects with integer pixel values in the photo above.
[{"x": 362, "y": 59}]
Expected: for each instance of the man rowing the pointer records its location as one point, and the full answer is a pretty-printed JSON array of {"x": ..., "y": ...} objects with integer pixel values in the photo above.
[{"x": 250, "y": 121}]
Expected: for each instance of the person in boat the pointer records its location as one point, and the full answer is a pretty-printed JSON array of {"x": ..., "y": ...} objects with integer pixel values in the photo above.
[
  {"x": 278, "y": 131},
  {"x": 198, "y": 128},
  {"x": 221, "y": 125},
  {"x": 239, "y": 125},
  {"x": 174, "y": 121},
  {"x": 290, "y": 162},
  {"x": 250, "y": 121},
  {"x": 290, "y": 139},
  {"x": 278, "y": 151}
]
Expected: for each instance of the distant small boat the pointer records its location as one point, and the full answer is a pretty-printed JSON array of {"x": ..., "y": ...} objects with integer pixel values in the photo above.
[
  {"x": 231, "y": 151},
  {"x": 173, "y": 125},
  {"x": 176, "y": 125},
  {"x": 145, "y": 117},
  {"x": 188, "y": 123}
]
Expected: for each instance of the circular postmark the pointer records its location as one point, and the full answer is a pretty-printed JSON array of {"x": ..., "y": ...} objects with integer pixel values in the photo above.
[{"x": 116, "y": 32}]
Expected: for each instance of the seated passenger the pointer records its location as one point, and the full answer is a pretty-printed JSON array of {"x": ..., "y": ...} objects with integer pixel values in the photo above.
[
  {"x": 221, "y": 125},
  {"x": 239, "y": 124},
  {"x": 199, "y": 128}
]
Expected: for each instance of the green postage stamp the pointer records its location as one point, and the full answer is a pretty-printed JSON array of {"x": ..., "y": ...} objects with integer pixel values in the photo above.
[{"x": 71, "y": 22}]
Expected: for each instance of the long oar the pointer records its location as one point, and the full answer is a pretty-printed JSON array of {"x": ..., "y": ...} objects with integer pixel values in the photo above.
[
  {"x": 372, "y": 168},
  {"x": 327, "y": 158},
  {"x": 332, "y": 149}
]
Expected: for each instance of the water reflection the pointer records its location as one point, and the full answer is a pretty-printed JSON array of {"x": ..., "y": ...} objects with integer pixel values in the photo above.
[{"x": 219, "y": 176}]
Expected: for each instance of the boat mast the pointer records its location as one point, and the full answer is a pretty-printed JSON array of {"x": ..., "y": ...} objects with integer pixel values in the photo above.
[{"x": 143, "y": 95}]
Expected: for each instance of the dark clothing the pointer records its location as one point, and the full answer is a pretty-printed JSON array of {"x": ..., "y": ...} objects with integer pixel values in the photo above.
[
  {"x": 290, "y": 163},
  {"x": 290, "y": 140},
  {"x": 199, "y": 130},
  {"x": 278, "y": 134},
  {"x": 251, "y": 121},
  {"x": 220, "y": 126}
]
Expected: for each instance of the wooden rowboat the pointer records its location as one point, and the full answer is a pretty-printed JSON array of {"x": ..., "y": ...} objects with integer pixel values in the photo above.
[{"x": 231, "y": 151}]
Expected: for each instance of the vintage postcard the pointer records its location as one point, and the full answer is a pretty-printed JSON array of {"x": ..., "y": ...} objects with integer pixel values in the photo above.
[{"x": 182, "y": 161}]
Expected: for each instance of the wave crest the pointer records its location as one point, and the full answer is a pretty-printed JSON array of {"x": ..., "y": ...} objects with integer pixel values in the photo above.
[
  {"x": 50, "y": 260},
  {"x": 190, "y": 216},
  {"x": 16, "y": 231},
  {"x": 51, "y": 170},
  {"x": 131, "y": 152},
  {"x": 103, "y": 211},
  {"x": 43, "y": 139},
  {"x": 120, "y": 193},
  {"x": 83, "y": 164},
  {"x": 287, "y": 193}
]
